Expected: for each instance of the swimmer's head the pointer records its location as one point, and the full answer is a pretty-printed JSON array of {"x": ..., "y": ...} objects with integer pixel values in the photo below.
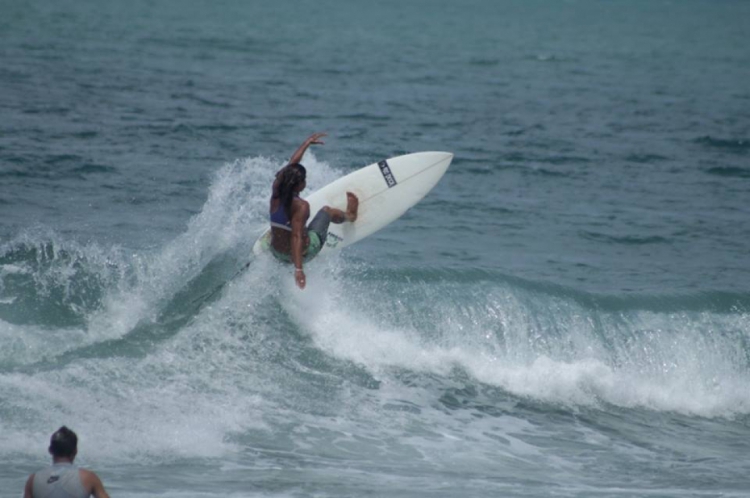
[{"x": 63, "y": 443}]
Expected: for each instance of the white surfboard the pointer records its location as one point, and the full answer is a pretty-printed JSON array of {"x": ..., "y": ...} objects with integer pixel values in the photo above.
[{"x": 386, "y": 190}]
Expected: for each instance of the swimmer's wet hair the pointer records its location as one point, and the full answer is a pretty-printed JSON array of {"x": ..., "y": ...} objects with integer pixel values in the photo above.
[{"x": 63, "y": 443}]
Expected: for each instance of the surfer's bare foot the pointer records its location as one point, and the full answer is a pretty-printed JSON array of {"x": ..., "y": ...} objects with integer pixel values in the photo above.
[{"x": 352, "y": 206}]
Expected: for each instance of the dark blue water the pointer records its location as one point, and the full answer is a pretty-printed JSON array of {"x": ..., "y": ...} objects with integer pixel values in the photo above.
[{"x": 566, "y": 314}]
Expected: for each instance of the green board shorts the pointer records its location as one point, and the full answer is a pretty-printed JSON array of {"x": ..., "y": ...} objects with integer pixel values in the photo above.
[{"x": 317, "y": 231}]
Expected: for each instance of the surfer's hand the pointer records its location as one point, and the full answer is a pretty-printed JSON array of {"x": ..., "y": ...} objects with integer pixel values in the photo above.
[
  {"x": 299, "y": 276},
  {"x": 315, "y": 139}
]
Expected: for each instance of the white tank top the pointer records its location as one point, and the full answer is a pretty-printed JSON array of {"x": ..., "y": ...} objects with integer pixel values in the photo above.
[{"x": 61, "y": 480}]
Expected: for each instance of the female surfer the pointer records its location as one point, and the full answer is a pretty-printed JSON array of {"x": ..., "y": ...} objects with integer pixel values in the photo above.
[{"x": 291, "y": 240}]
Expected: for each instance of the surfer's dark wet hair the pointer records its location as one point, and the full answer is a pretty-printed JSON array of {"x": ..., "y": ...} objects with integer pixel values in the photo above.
[
  {"x": 63, "y": 443},
  {"x": 291, "y": 177}
]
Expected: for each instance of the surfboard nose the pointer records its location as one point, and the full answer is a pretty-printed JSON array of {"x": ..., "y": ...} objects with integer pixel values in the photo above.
[
  {"x": 441, "y": 159},
  {"x": 432, "y": 158}
]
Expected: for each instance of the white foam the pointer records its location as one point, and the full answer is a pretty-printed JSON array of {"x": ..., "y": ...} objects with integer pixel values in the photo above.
[
  {"x": 24, "y": 344},
  {"x": 558, "y": 358},
  {"x": 187, "y": 395}
]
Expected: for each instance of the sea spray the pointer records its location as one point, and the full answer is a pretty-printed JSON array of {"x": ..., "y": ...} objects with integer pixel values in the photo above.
[{"x": 533, "y": 344}]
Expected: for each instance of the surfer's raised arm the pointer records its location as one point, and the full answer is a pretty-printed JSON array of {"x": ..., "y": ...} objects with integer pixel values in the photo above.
[{"x": 313, "y": 139}]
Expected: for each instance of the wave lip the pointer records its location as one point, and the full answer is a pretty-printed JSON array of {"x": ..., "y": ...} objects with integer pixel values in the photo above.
[{"x": 542, "y": 343}]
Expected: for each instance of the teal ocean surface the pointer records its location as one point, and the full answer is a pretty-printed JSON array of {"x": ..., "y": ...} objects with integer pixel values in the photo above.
[{"x": 566, "y": 314}]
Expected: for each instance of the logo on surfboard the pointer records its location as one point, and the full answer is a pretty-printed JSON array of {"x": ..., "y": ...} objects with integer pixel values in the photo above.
[
  {"x": 387, "y": 174},
  {"x": 333, "y": 240}
]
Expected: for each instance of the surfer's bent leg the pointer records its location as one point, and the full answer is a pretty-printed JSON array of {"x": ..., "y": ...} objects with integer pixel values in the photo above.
[
  {"x": 317, "y": 230},
  {"x": 318, "y": 227},
  {"x": 320, "y": 223}
]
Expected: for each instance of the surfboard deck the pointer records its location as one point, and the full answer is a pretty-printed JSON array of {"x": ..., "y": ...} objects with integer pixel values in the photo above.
[{"x": 386, "y": 190}]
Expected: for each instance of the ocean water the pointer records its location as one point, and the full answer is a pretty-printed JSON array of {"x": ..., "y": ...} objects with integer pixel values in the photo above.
[{"x": 566, "y": 314}]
